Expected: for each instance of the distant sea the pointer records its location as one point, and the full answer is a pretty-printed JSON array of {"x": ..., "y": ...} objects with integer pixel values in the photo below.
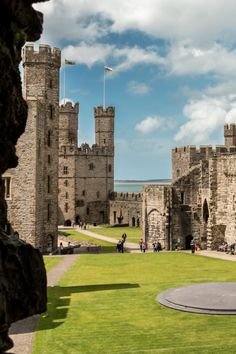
[{"x": 136, "y": 186}]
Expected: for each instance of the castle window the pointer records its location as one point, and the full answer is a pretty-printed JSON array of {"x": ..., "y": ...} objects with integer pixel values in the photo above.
[
  {"x": 98, "y": 194},
  {"x": 91, "y": 166},
  {"x": 49, "y": 138},
  {"x": 66, "y": 183},
  {"x": 49, "y": 184},
  {"x": 66, "y": 207},
  {"x": 104, "y": 141},
  {"x": 50, "y": 83},
  {"x": 87, "y": 211},
  {"x": 178, "y": 172},
  {"x": 49, "y": 212},
  {"x": 109, "y": 168},
  {"x": 182, "y": 197},
  {"x": 66, "y": 195},
  {"x": 49, "y": 159},
  {"x": 51, "y": 111},
  {"x": 65, "y": 170},
  {"x": 83, "y": 193},
  {"x": 7, "y": 187}
]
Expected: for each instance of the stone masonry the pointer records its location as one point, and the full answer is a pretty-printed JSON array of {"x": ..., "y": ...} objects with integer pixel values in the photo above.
[
  {"x": 86, "y": 173},
  {"x": 200, "y": 203},
  {"x": 31, "y": 189}
]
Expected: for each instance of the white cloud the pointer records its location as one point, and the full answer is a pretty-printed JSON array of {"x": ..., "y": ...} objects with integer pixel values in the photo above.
[
  {"x": 204, "y": 116},
  {"x": 137, "y": 88},
  {"x": 149, "y": 124},
  {"x": 200, "y": 21}
]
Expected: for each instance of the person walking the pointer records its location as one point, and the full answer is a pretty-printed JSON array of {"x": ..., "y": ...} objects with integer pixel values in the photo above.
[
  {"x": 193, "y": 246},
  {"x": 143, "y": 247},
  {"x": 140, "y": 244}
]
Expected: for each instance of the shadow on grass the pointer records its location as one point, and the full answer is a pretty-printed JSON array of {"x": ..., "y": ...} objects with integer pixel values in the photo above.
[{"x": 59, "y": 301}]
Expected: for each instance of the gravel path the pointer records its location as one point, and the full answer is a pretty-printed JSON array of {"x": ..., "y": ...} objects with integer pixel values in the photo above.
[{"x": 22, "y": 332}]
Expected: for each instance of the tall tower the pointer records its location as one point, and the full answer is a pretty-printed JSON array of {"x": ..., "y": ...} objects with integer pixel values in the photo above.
[
  {"x": 104, "y": 126},
  {"x": 68, "y": 136},
  {"x": 33, "y": 199},
  {"x": 230, "y": 135}
]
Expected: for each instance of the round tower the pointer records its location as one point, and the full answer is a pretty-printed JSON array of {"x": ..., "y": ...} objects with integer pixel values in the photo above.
[
  {"x": 104, "y": 126},
  {"x": 68, "y": 124},
  {"x": 230, "y": 135}
]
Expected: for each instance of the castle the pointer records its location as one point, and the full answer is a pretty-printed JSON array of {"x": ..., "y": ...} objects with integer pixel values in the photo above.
[{"x": 59, "y": 182}]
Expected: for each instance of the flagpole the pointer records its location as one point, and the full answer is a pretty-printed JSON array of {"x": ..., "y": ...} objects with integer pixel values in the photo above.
[
  {"x": 65, "y": 84},
  {"x": 104, "y": 88}
]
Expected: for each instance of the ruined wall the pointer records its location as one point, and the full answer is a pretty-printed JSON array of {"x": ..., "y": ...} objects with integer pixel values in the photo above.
[
  {"x": 126, "y": 208},
  {"x": 157, "y": 201}
]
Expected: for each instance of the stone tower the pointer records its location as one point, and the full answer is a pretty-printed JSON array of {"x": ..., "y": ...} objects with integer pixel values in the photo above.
[
  {"x": 104, "y": 126},
  {"x": 230, "y": 135},
  {"x": 68, "y": 144},
  {"x": 33, "y": 186}
]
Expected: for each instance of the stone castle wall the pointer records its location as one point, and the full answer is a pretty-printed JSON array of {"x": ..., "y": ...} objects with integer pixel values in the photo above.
[
  {"x": 126, "y": 208},
  {"x": 33, "y": 203},
  {"x": 86, "y": 173}
]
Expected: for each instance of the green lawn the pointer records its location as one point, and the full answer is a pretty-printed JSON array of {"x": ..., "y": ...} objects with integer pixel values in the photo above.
[
  {"x": 133, "y": 233},
  {"x": 106, "y": 304},
  {"x": 50, "y": 262},
  {"x": 107, "y": 247}
]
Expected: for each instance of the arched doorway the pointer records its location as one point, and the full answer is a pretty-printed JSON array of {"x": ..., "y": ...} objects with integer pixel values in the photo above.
[
  {"x": 188, "y": 242},
  {"x": 133, "y": 221},
  {"x": 205, "y": 212},
  {"x": 67, "y": 223}
]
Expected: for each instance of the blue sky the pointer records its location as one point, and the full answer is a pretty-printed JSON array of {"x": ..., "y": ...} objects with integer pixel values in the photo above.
[{"x": 174, "y": 73}]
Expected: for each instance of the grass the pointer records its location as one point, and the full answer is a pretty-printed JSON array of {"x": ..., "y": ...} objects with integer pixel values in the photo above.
[
  {"x": 107, "y": 247},
  {"x": 133, "y": 233},
  {"x": 50, "y": 262},
  {"x": 106, "y": 304}
]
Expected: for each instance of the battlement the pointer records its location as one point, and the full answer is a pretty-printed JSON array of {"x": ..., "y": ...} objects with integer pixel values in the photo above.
[
  {"x": 69, "y": 107},
  {"x": 44, "y": 55},
  {"x": 229, "y": 129},
  {"x": 129, "y": 196},
  {"x": 100, "y": 112},
  {"x": 94, "y": 150}
]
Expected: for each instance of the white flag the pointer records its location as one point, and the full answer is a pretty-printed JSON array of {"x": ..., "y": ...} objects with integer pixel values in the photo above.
[{"x": 106, "y": 68}]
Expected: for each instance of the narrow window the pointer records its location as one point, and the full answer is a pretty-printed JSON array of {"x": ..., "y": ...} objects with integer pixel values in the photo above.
[
  {"x": 65, "y": 170},
  {"x": 7, "y": 187},
  {"x": 109, "y": 168},
  {"x": 49, "y": 212},
  {"x": 49, "y": 138},
  {"x": 49, "y": 184},
  {"x": 87, "y": 211},
  {"x": 91, "y": 166},
  {"x": 66, "y": 183},
  {"x": 104, "y": 141},
  {"x": 51, "y": 111},
  {"x": 49, "y": 159},
  {"x": 182, "y": 197},
  {"x": 66, "y": 195},
  {"x": 83, "y": 193},
  {"x": 98, "y": 194},
  {"x": 66, "y": 207},
  {"x": 50, "y": 83}
]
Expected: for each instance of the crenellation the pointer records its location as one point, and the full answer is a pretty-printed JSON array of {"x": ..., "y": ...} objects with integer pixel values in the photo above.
[{"x": 44, "y": 55}]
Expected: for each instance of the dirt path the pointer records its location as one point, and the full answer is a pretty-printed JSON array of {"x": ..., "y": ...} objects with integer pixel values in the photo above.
[{"x": 22, "y": 332}]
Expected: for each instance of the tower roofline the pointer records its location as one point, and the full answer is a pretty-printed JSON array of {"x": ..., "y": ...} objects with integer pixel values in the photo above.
[{"x": 44, "y": 55}]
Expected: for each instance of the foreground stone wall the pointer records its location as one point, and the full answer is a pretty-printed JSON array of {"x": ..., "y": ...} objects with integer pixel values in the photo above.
[{"x": 23, "y": 276}]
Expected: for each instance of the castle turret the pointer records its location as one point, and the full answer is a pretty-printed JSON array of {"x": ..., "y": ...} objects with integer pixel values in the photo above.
[
  {"x": 33, "y": 206},
  {"x": 104, "y": 126},
  {"x": 68, "y": 124},
  {"x": 230, "y": 135}
]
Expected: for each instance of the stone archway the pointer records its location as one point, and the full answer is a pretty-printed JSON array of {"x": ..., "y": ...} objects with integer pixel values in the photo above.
[{"x": 153, "y": 228}]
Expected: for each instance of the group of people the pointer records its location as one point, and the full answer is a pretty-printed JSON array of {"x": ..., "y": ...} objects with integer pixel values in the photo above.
[
  {"x": 120, "y": 244},
  {"x": 156, "y": 247}
]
